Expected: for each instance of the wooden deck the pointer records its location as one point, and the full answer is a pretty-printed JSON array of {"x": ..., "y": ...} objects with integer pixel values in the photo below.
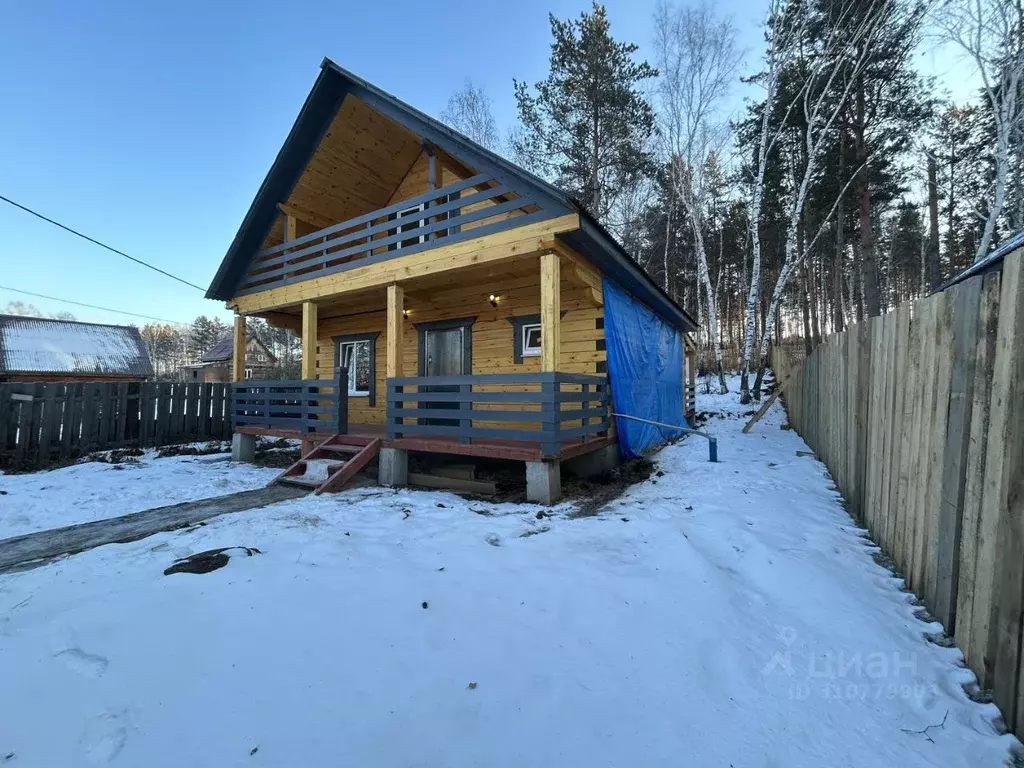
[{"x": 512, "y": 450}]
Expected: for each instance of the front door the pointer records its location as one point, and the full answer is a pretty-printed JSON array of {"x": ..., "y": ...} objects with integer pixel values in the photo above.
[{"x": 444, "y": 354}]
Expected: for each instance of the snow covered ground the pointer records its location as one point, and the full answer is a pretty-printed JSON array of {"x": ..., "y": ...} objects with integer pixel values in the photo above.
[
  {"x": 89, "y": 491},
  {"x": 717, "y": 615}
]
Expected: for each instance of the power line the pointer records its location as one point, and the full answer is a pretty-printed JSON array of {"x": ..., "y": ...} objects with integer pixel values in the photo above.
[
  {"x": 90, "y": 306},
  {"x": 101, "y": 245}
]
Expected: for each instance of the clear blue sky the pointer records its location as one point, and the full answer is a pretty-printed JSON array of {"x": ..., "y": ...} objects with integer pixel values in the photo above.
[{"x": 150, "y": 126}]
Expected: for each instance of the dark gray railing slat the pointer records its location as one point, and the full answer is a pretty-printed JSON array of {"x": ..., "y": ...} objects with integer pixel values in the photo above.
[
  {"x": 460, "y": 236},
  {"x": 473, "y": 181},
  {"x": 309, "y": 265},
  {"x": 291, "y": 258}
]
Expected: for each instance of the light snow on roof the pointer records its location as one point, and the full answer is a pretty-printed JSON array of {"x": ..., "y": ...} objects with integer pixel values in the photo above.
[{"x": 39, "y": 345}]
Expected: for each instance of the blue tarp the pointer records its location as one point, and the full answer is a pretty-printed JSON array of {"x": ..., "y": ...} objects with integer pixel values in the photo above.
[{"x": 645, "y": 366}]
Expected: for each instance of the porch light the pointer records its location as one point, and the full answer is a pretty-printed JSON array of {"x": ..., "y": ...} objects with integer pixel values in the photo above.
[
  {"x": 405, "y": 313},
  {"x": 493, "y": 299}
]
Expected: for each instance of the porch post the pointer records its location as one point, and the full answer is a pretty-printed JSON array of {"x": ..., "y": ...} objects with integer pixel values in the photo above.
[
  {"x": 238, "y": 351},
  {"x": 243, "y": 447},
  {"x": 309, "y": 318},
  {"x": 396, "y": 301},
  {"x": 544, "y": 478},
  {"x": 550, "y": 311},
  {"x": 393, "y": 463}
]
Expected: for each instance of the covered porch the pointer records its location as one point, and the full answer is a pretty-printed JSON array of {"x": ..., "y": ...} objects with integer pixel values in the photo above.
[{"x": 501, "y": 360}]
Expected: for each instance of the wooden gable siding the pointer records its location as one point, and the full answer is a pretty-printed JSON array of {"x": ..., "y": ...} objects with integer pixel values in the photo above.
[
  {"x": 360, "y": 162},
  {"x": 582, "y": 341}
]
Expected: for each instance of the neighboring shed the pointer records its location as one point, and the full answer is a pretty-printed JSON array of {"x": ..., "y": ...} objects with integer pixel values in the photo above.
[{"x": 41, "y": 349}]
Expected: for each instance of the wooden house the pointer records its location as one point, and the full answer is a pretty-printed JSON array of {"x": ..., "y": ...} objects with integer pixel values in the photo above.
[
  {"x": 463, "y": 301},
  {"x": 217, "y": 364},
  {"x": 39, "y": 349}
]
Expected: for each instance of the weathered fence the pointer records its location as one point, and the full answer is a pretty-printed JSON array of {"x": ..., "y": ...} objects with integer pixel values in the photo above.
[
  {"x": 43, "y": 423},
  {"x": 919, "y": 416}
]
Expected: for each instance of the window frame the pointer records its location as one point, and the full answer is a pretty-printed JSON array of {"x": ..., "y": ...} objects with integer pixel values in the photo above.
[
  {"x": 524, "y": 349},
  {"x": 518, "y": 324},
  {"x": 357, "y": 338}
]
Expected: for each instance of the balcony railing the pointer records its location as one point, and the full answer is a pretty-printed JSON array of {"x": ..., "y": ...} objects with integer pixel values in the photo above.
[
  {"x": 304, "y": 405},
  {"x": 549, "y": 409},
  {"x": 470, "y": 208}
]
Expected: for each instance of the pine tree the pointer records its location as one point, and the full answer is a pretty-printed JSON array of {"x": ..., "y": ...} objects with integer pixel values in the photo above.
[{"x": 587, "y": 125}]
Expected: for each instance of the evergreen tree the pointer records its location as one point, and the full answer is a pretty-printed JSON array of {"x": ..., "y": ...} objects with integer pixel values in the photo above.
[{"x": 587, "y": 125}]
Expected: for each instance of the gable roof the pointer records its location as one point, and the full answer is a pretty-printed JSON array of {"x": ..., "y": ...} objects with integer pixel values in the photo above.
[
  {"x": 45, "y": 346},
  {"x": 222, "y": 350},
  {"x": 332, "y": 85}
]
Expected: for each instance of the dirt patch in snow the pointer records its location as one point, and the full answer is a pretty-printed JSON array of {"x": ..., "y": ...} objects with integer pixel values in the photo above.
[
  {"x": 117, "y": 456},
  {"x": 593, "y": 493},
  {"x": 192, "y": 449},
  {"x": 277, "y": 454}
]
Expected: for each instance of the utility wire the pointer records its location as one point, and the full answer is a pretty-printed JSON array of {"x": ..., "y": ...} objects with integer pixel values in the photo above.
[
  {"x": 101, "y": 245},
  {"x": 90, "y": 306}
]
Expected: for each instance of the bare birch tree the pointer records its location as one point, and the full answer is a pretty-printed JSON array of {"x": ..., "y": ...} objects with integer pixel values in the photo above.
[
  {"x": 697, "y": 59},
  {"x": 991, "y": 32},
  {"x": 831, "y": 75},
  {"x": 780, "y": 46},
  {"x": 469, "y": 112}
]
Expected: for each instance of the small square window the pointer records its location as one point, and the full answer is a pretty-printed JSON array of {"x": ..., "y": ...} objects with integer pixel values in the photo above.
[{"x": 531, "y": 340}]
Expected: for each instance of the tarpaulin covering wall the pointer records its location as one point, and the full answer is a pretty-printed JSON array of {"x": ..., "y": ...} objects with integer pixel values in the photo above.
[{"x": 645, "y": 367}]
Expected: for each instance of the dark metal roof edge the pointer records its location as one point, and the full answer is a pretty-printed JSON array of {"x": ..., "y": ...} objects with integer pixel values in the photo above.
[
  {"x": 655, "y": 294},
  {"x": 989, "y": 262},
  {"x": 31, "y": 318}
]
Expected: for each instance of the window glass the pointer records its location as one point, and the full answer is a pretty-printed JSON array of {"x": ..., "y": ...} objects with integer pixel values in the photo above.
[
  {"x": 531, "y": 340},
  {"x": 355, "y": 356}
]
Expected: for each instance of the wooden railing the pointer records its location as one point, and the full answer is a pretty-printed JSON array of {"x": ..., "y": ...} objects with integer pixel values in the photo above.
[
  {"x": 305, "y": 405},
  {"x": 444, "y": 216},
  {"x": 528, "y": 408}
]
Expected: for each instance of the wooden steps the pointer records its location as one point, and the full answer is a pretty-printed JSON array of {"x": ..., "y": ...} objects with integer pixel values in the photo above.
[{"x": 341, "y": 460}]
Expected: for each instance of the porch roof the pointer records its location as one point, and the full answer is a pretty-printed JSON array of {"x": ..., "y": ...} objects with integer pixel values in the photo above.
[{"x": 333, "y": 84}]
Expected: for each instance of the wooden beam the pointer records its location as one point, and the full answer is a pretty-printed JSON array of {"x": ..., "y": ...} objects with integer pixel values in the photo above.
[
  {"x": 394, "y": 331},
  {"x": 238, "y": 350},
  {"x": 315, "y": 220},
  {"x": 281, "y": 320},
  {"x": 550, "y": 310},
  {"x": 507, "y": 244},
  {"x": 309, "y": 331},
  {"x": 291, "y": 228}
]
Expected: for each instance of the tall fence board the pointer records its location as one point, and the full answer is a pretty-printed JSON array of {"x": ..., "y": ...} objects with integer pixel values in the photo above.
[
  {"x": 919, "y": 416},
  {"x": 45, "y": 423}
]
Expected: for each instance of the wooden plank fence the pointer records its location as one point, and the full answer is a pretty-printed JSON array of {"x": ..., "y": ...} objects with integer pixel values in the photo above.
[
  {"x": 45, "y": 423},
  {"x": 919, "y": 416}
]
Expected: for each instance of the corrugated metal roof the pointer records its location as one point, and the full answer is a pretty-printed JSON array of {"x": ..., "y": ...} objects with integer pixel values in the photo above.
[{"x": 42, "y": 345}]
